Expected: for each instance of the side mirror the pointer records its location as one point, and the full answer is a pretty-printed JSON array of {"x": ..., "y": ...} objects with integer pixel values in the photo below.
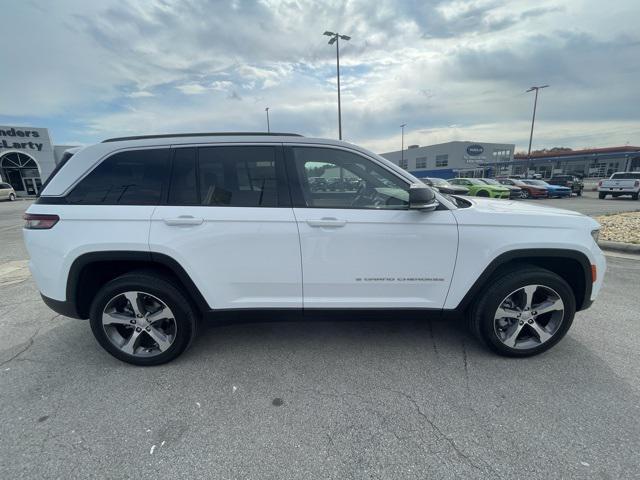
[{"x": 422, "y": 198}]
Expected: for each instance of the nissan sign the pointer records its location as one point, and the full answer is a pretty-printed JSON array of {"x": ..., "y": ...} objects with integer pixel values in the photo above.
[{"x": 475, "y": 150}]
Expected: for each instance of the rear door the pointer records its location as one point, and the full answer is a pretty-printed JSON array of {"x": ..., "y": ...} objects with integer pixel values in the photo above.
[
  {"x": 228, "y": 221},
  {"x": 361, "y": 245},
  {"x": 4, "y": 191}
]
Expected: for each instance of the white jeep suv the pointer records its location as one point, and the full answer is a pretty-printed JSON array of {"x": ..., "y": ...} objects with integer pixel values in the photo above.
[{"x": 146, "y": 236}]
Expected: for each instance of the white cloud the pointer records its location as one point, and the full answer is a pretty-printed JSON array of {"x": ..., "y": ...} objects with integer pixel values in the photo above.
[{"x": 120, "y": 66}]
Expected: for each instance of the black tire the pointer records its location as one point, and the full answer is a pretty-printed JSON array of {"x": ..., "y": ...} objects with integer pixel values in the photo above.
[
  {"x": 634, "y": 196},
  {"x": 482, "y": 193},
  {"x": 163, "y": 289},
  {"x": 481, "y": 315},
  {"x": 12, "y": 197},
  {"x": 602, "y": 196},
  {"x": 525, "y": 194}
]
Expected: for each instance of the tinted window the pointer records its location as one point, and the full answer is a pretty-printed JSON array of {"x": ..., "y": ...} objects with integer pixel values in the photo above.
[
  {"x": 136, "y": 177},
  {"x": 184, "y": 188},
  {"x": 351, "y": 181},
  {"x": 626, "y": 176},
  {"x": 238, "y": 176},
  {"x": 5, "y": 185}
]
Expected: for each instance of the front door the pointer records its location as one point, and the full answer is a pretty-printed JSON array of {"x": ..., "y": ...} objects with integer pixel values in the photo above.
[
  {"x": 229, "y": 223},
  {"x": 361, "y": 245}
]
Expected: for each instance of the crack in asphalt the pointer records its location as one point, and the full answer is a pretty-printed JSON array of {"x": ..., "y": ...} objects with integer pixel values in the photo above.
[{"x": 27, "y": 345}]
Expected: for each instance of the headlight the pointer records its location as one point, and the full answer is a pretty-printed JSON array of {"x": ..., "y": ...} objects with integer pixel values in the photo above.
[{"x": 595, "y": 234}]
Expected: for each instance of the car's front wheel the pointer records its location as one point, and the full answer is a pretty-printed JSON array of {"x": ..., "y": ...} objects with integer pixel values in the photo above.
[
  {"x": 524, "y": 312},
  {"x": 141, "y": 318}
]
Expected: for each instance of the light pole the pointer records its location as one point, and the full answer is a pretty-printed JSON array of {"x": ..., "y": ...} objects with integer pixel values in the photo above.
[
  {"x": 335, "y": 38},
  {"x": 402, "y": 146},
  {"x": 533, "y": 121},
  {"x": 268, "y": 126}
]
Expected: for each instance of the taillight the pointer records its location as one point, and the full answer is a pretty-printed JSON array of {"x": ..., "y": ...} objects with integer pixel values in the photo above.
[
  {"x": 36, "y": 221},
  {"x": 600, "y": 183}
]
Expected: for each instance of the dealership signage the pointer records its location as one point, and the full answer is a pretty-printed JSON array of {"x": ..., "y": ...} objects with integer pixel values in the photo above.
[
  {"x": 475, "y": 150},
  {"x": 21, "y": 139}
]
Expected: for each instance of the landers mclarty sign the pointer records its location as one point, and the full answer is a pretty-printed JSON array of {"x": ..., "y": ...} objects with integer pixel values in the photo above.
[{"x": 16, "y": 139}]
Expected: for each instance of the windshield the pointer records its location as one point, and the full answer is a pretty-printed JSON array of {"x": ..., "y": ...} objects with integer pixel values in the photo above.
[
  {"x": 626, "y": 176},
  {"x": 490, "y": 181},
  {"x": 475, "y": 181},
  {"x": 438, "y": 182}
]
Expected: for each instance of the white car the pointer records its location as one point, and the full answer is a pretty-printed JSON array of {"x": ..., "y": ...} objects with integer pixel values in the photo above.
[
  {"x": 7, "y": 192},
  {"x": 146, "y": 236},
  {"x": 620, "y": 183}
]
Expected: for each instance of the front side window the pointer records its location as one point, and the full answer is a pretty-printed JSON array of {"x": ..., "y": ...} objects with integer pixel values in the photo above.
[
  {"x": 243, "y": 176},
  {"x": 135, "y": 177},
  {"x": 350, "y": 181}
]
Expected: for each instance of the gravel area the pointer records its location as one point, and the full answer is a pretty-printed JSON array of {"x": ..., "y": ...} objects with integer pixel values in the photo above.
[{"x": 621, "y": 227}]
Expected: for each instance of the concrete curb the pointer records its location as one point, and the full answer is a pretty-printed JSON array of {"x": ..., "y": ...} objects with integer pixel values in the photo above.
[{"x": 619, "y": 246}]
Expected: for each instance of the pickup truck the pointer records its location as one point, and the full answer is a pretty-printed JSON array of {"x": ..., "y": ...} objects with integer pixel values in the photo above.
[{"x": 620, "y": 183}]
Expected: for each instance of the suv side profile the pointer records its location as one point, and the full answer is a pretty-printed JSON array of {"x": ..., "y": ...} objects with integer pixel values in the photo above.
[{"x": 148, "y": 236}]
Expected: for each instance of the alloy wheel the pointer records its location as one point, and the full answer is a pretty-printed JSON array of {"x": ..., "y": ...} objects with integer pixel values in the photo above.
[
  {"x": 139, "y": 324},
  {"x": 529, "y": 317}
]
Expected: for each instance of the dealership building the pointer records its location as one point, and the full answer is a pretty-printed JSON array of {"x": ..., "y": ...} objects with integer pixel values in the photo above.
[
  {"x": 478, "y": 159},
  {"x": 27, "y": 158},
  {"x": 453, "y": 159}
]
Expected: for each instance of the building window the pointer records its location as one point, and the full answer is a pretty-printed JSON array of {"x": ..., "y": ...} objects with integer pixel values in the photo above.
[
  {"x": 421, "y": 162},
  {"x": 404, "y": 163},
  {"x": 442, "y": 160}
]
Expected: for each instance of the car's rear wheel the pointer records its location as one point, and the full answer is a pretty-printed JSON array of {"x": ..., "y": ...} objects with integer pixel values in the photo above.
[
  {"x": 634, "y": 196},
  {"x": 141, "y": 318},
  {"x": 524, "y": 312},
  {"x": 602, "y": 196},
  {"x": 12, "y": 197},
  {"x": 525, "y": 194},
  {"x": 482, "y": 193}
]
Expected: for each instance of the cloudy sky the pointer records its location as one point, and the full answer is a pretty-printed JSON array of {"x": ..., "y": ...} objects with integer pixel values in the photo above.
[{"x": 450, "y": 70}]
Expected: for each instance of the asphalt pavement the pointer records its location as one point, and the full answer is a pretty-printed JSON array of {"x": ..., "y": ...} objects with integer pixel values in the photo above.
[{"x": 282, "y": 400}]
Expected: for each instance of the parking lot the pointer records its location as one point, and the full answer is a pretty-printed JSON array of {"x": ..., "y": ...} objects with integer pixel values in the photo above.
[{"x": 358, "y": 399}]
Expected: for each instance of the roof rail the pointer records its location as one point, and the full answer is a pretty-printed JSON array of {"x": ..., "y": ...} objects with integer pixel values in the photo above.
[{"x": 213, "y": 134}]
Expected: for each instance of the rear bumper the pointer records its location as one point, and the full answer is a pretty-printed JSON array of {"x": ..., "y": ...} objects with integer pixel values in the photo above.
[{"x": 65, "y": 308}]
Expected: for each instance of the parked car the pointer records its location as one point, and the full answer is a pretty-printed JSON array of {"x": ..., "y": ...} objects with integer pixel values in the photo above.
[
  {"x": 570, "y": 181},
  {"x": 445, "y": 187},
  {"x": 514, "y": 191},
  {"x": 7, "y": 192},
  {"x": 146, "y": 236},
  {"x": 318, "y": 183},
  {"x": 555, "y": 191},
  {"x": 528, "y": 191},
  {"x": 479, "y": 188},
  {"x": 620, "y": 183}
]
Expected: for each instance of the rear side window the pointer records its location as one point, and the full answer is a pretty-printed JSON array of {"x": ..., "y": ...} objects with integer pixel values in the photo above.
[
  {"x": 238, "y": 176},
  {"x": 136, "y": 177},
  {"x": 184, "y": 187}
]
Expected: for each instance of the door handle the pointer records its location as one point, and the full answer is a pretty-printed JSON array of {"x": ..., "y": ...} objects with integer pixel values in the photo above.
[
  {"x": 183, "y": 220},
  {"x": 327, "y": 222}
]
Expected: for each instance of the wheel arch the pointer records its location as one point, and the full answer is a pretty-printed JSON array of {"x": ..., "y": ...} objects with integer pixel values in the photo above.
[
  {"x": 573, "y": 266},
  {"x": 90, "y": 271}
]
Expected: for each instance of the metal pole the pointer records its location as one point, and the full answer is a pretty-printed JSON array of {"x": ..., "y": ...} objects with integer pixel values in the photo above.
[
  {"x": 402, "y": 146},
  {"x": 268, "y": 126},
  {"x": 338, "y": 70},
  {"x": 533, "y": 121}
]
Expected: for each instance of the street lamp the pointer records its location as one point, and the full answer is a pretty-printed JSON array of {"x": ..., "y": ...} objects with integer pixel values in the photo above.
[
  {"x": 268, "y": 126},
  {"x": 402, "y": 146},
  {"x": 335, "y": 38},
  {"x": 533, "y": 121}
]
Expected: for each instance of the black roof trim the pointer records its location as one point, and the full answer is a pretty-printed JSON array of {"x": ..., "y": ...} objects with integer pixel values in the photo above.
[{"x": 214, "y": 134}]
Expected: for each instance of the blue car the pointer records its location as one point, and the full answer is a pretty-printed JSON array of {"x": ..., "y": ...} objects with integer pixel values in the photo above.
[{"x": 554, "y": 190}]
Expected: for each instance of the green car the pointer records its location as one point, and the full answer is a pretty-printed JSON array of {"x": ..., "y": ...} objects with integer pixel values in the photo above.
[{"x": 481, "y": 189}]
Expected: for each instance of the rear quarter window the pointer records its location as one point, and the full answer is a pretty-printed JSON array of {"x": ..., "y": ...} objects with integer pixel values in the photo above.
[{"x": 135, "y": 177}]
